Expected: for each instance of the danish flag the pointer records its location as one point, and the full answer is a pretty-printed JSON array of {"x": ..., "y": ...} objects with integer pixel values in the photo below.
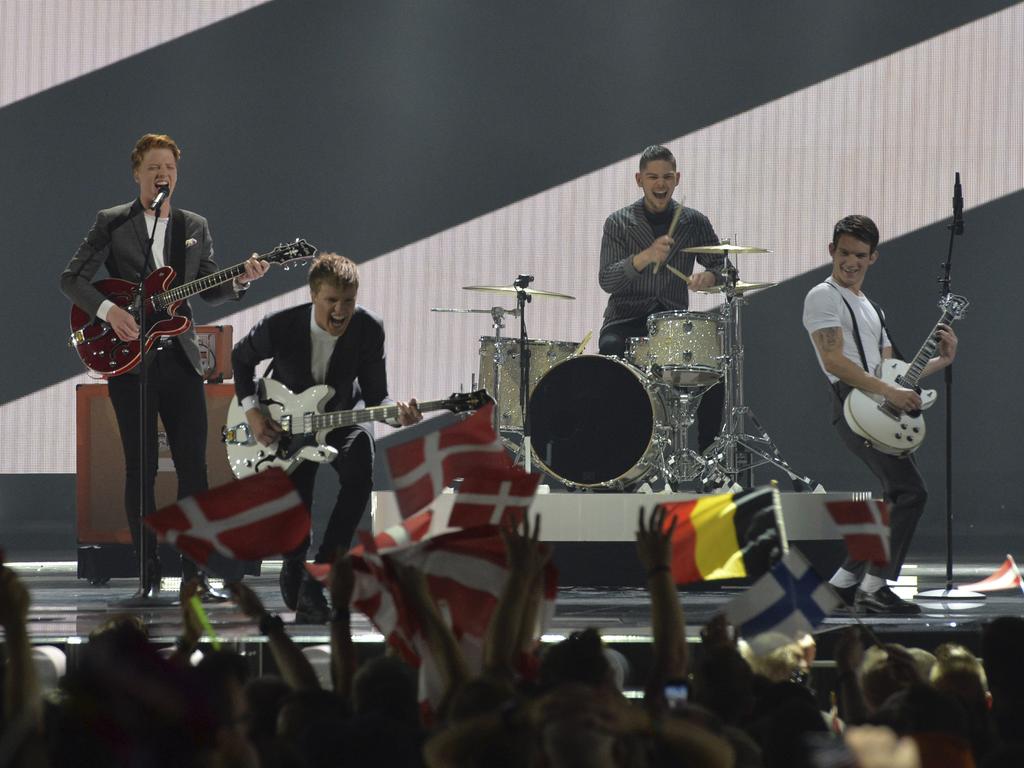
[
  {"x": 422, "y": 467},
  {"x": 466, "y": 571},
  {"x": 251, "y": 519},
  {"x": 864, "y": 526},
  {"x": 490, "y": 497}
]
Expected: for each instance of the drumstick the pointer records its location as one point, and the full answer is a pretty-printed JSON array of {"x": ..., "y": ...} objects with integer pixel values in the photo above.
[
  {"x": 678, "y": 274},
  {"x": 583, "y": 344},
  {"x": 671, "y": 229}
]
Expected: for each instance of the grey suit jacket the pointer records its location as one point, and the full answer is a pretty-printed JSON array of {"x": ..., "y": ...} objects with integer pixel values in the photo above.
[
  {"x": 637, "y": 294},
  {"x": 118, "y": 240}
]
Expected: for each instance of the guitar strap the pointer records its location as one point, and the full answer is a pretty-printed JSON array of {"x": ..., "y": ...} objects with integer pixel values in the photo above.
[{"x": 841, "y": 389}]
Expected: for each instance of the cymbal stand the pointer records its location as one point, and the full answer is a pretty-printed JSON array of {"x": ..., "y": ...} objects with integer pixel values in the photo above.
[
  {"x": 735, "y": 450},
  {"x": 522, "y": 299}
]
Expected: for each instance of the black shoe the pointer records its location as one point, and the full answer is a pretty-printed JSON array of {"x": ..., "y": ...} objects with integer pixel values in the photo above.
[
  {"x": 208, "y": 593},
  {"x": 290, "y": 579},
  {"x": 847, "y": 595},
  {"x": 884, "y": 601},
  {"x": 312, "y": 606}
]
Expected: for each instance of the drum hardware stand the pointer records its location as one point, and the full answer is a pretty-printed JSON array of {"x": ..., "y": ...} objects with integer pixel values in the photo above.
[
  {"x": 684, "y": 464},
  {"x": 522, "y": 299},
  {"x": 735, "y": 450}
]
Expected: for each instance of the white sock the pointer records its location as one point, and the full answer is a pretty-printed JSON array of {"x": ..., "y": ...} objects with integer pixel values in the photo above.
[
  {"x": 843, "y": 579},
  {"x": 872, "y": 583}
]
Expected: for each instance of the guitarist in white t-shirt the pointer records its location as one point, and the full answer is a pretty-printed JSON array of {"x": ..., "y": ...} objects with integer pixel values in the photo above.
[{"x": 850, "y": 340}]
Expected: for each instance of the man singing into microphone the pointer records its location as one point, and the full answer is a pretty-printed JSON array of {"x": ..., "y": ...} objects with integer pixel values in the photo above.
[{"x": 118, "y": 240}]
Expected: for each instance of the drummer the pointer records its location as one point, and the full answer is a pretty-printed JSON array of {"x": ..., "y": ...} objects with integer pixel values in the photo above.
[{"x": 635, "y": 246}]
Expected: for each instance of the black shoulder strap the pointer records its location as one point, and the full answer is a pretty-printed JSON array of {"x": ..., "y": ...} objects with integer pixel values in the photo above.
[
  {"x": 856, "y": 328},
  {"x": 881, "y": 318}
]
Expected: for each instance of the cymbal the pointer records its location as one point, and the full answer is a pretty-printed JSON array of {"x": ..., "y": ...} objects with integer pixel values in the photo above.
[
  {"x": 726, "y": 248},
  {"x": 741, "y": 287},
  {"x": 513, "y": 290}
]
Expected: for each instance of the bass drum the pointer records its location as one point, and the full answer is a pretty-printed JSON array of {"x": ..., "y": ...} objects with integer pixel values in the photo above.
[{"x": 595, "y": 422}]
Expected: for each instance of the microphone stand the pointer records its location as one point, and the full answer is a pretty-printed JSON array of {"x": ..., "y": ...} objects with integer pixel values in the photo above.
[
  {"x": 522, "y": 299},
  {"x": 148, "y": 593},
  {"x": 950, "y": 592}
]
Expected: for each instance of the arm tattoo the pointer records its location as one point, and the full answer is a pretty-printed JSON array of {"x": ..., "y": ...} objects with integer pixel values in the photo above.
[{"x": 828, "y": 338}]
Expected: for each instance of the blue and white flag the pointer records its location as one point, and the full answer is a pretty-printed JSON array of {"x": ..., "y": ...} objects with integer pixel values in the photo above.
[{"x": 788, "y": 601}]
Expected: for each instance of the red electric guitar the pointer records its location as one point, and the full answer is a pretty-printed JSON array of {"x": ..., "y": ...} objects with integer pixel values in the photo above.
[{"x": 103, "y": 352}]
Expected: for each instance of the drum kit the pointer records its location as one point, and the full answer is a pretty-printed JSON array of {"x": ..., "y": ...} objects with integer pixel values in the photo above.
[{"x": 601, "y": 422}]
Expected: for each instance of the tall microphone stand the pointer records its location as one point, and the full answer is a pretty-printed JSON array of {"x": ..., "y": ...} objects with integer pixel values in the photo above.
[
  {"x": 950, "y": 592},
  {"x": 148, "y": 593}
]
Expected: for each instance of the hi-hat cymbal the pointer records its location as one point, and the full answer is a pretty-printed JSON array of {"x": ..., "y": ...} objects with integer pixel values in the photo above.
[
  {"x": 741, "y": 287},
  {"x": 508, "y": 289},
  {"x": 726, "y": 248}
]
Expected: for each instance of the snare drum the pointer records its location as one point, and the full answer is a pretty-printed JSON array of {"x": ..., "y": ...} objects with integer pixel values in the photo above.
[
  {"x": 596, "y": 421},
  {"x": 686, "y": 347},
  {"x": 543, "y": 355}
]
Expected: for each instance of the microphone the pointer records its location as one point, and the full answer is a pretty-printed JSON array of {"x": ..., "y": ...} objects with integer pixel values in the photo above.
[
  {"x": 958, "y": 206},
  {"x": 164, "y": 191}
]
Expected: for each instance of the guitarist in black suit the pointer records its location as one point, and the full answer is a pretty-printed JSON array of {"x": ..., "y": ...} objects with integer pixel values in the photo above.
[
  {"x": 850, "y": 339},
  {"x": 118, "y": 241},
  {"x": 331, "y": 341}
]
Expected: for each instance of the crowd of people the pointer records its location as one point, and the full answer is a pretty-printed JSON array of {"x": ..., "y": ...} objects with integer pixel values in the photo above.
[{"x": 126, "y": 701}]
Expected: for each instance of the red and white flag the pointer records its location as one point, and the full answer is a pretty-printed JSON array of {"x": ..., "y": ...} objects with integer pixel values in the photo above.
[
  {"x": 420, "y": 468},
  {"x": 466, "y": 572},
  {"x": 251, "y": 519},
  {"x": 864, "y": 526},
  {"x": 492, "y": 497},
  {"x": 1006, "y": 576}
]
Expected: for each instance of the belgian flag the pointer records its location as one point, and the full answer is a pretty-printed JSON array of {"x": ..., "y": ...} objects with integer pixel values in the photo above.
[{"x": 726, "y": 536}]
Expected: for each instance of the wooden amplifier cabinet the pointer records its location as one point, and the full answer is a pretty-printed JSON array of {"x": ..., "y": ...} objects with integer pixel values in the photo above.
[
  {"x": 100, "y": 462},
  {"x": 215, "y": 351}
]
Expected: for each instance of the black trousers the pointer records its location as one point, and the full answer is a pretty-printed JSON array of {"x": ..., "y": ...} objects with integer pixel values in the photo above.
[
  {"x": 904, "y": 489},
  {"x": 175, "y": 391},
  {"x": 354, "y": 467},
  {"x": 613, "y": 341}
]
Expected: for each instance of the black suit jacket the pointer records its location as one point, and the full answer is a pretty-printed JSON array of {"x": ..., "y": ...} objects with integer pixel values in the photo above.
[
  {"x": 357, "y": 369},
  {"x": 118, "y": 240}
]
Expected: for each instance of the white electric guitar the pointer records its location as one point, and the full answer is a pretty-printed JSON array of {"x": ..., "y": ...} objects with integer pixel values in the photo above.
[
  {"x": 304, "y": 425},
  {"x": 878, "y": 421}
]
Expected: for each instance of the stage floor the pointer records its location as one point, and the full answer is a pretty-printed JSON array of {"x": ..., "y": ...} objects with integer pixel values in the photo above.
[{"x": 65, "y": 609}]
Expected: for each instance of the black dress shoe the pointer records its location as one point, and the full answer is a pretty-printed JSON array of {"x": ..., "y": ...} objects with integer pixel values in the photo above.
[
  {"x": 290, "y": 579},
  {"x": 207, "y": 593},
  {"x": 312, "y": 606},
  {"x": 846, "y": 594},
  {"x": 884, "y": 601}
]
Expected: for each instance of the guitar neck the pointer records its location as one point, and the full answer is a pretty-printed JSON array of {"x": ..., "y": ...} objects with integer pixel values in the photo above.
[
  {"x": 925, "y": 354},
  {"x": 337, "y": 419},
  {"x": 186, "y": 290}
]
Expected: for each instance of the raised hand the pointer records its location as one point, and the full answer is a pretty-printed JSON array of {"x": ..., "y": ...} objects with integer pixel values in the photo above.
[{"x": 653, "y": 542}]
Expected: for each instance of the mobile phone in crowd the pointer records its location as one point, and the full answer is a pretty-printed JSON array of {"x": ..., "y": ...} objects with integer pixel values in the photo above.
[{"x": 677, "y": 693}]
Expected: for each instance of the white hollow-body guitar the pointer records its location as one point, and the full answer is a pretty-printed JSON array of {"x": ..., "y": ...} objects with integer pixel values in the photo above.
[
  {"x": 304, "y": 425},
  {"x": 874, "y": 418}
]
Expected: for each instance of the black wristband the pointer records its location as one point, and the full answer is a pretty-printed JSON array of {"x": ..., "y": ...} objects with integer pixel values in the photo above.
[
  {"x": 658, "y": 569},
  {"x": 268, "y": 622},
  {"x": 338, "y": 616}
]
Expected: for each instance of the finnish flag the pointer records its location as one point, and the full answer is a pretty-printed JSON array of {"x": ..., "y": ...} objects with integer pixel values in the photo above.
[{"x": 788, "y": 601}]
